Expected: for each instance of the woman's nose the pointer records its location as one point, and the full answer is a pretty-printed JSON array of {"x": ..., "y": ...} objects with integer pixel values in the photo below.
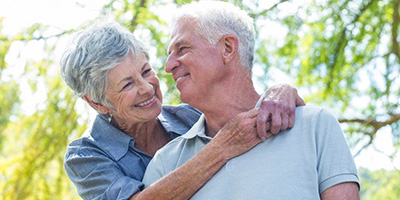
[{"x": 145, "y": 87}]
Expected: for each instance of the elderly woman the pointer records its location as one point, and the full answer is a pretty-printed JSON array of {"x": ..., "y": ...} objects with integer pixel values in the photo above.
[{"x": 109, "y": 69}]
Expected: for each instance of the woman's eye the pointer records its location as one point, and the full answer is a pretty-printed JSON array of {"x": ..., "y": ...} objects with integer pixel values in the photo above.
[
  {"x": 126, "y": 86},
  {"x": 146, "y": 72}
]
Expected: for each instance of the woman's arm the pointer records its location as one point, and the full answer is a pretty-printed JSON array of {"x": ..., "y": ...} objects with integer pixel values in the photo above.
[{"x": 235, "y": 138}]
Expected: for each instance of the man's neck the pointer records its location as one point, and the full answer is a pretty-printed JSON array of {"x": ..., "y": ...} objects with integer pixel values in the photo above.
[{"x": 238, "y": 96}]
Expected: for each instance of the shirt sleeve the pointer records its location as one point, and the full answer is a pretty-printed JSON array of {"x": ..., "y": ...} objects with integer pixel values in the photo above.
[
  {"x": 97, "y": 176},
  {"x": 154, "y": 170},
  {"x": 335, "y": 162}
]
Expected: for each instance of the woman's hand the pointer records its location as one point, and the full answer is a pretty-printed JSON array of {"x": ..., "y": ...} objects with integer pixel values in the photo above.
[
  {"x": 277, "y": 111},
  {"x": 238, "y": 135}
]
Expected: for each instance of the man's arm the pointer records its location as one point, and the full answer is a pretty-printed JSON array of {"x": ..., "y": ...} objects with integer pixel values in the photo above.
[
  {"x": 342, "y": 191},
  {"x": 277, "y": 111},
  {"x": 336, "y": 167},
  {"x": 235, "y": 138}
]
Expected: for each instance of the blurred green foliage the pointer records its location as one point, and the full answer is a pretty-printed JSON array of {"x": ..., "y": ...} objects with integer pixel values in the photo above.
[
  {"x": 379, "y": 184},
  {"x": 343, "y": 54}
]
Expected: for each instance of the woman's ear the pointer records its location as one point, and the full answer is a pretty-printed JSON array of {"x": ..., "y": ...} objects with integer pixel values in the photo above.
[
  {"x": 230, "y": 47},
  {"x": 97, "y": 106}
]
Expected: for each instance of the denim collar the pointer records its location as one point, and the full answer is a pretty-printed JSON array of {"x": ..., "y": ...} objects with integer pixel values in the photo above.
[
  {"x": 110, "y": 138},
  {"x": 176, "y": 120}
]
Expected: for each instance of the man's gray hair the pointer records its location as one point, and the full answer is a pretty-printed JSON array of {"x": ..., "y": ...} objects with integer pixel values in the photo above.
[
  {"x": 96, "y": 50},
  {"x": 214, "y": 19}
]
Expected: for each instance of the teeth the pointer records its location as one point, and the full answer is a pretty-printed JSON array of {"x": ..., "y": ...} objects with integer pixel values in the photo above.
[
  {"x": 179, "y": 78},
  {"x": 147, "y": 102}
]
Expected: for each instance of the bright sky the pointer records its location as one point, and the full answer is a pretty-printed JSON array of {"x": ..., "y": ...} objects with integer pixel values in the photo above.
[
  {"x": 64, "y": 14},
  {"x": 58, "y": 13}
]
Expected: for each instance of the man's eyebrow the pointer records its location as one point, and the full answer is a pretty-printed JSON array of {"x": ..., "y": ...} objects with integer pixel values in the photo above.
[{"x": 177, "y": 45}]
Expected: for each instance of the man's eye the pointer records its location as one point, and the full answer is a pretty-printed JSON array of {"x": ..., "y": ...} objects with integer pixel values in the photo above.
[{"x": 182, "y": 49}]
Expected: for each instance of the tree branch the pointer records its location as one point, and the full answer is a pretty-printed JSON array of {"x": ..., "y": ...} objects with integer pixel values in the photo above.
[
  {"x": 264, "y": 12},
  {"x": 363, "y": 147},
  {"x": 134, "y": 22},
  {"x": 344, "y": 30},
  {"x": 17, "y": 38},
  {"x": 44, "y": 37},
  {"x": 395, "y": 28},
  {"x": 375, "y": 124},
  {"x": 341, "y": 42}
]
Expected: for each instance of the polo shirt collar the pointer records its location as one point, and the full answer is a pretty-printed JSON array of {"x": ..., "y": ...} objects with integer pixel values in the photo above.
[
  {"x": 198, "y": 129},
  {"x": 117, "y": 142}
]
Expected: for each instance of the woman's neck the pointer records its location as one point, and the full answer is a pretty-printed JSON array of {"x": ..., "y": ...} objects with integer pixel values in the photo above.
[{"x": 149, "y": 136}]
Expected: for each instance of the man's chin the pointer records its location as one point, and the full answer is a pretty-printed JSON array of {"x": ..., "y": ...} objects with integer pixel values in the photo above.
[{"x": 184, "y": 97}]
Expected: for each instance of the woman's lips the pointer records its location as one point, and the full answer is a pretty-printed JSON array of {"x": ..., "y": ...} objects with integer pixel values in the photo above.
[{"x": 146, "y": 102}]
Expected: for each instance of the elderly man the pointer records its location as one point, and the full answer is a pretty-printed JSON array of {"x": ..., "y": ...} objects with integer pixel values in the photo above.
[{"x": 210, "y": 58}]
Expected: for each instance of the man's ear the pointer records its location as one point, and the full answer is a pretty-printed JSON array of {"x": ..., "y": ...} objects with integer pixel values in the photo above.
[
  {"x": 230, "y": 44},
  {"x": 98, "y": 106}
]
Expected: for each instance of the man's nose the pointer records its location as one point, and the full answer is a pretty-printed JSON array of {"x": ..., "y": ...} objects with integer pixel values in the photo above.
[{"x": 171, "y": 63}]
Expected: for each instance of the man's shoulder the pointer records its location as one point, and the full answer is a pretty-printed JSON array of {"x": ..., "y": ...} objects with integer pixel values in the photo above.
[
  {"x": 164, "y": 161},
  {"x": 313, "y": 112},
  {"x": 172, "y": 148}
]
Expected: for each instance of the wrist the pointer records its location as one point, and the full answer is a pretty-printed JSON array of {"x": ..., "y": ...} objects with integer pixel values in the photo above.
[{"x": 217, "y": 152}]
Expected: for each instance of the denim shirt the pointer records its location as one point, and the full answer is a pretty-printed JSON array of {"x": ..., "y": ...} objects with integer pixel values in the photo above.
[{"x": 105, "y": 164}]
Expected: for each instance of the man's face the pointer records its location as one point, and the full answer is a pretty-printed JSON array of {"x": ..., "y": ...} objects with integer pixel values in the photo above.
[
  {"x": 134, "y": 91},
  {"x": 196, "y": 66}
]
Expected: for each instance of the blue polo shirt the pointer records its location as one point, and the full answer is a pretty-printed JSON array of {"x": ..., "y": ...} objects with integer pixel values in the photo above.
[{"x": 105, "y": 164}]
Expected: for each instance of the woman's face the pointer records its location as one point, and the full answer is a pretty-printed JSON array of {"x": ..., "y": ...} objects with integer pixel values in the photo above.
[{"x": 134, "y": 91}]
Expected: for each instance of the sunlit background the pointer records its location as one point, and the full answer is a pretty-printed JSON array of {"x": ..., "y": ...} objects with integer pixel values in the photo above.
[{"x": 33, "y": 57}]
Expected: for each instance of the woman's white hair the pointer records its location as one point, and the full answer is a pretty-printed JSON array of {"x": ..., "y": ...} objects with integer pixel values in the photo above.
[
  {"x": 96, "y": 50},
  {"x": 214, "y": 19}
]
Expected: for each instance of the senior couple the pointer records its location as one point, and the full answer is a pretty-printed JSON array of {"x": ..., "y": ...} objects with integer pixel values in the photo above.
[{"x": 215, "y": 147}]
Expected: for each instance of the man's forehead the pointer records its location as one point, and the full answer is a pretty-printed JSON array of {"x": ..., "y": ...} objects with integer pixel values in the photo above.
[
  {"x": 178, "y": 38},
  {"x": 182, "y": 26}
]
